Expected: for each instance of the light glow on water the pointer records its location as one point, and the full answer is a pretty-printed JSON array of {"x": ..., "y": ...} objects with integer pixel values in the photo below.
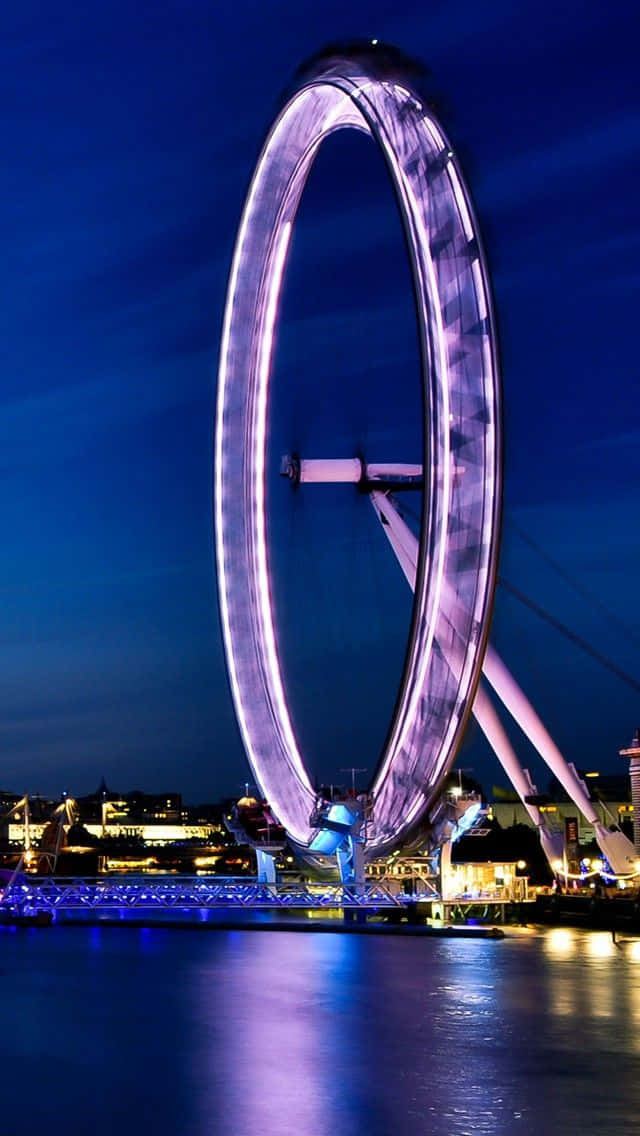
[
  {"x": 560, "y": 942},
  {"x": 255, "y": 1033}
]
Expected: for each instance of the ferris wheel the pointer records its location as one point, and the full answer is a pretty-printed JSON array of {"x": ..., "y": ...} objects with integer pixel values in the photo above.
[{"x": 451, "y": 566}]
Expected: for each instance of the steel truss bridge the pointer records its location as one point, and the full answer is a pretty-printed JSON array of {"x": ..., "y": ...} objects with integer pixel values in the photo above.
[{"x": 52, "y": 894}]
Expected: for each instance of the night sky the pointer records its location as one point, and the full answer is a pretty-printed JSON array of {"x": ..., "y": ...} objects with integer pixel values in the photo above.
[{"x": 130, "y": 132}]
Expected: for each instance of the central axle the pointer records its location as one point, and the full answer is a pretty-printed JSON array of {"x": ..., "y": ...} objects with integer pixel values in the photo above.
[{"x": 352, "y": 471}]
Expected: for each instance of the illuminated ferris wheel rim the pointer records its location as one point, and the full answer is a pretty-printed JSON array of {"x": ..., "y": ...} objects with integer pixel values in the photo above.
[{"x": 458, "y": 545}]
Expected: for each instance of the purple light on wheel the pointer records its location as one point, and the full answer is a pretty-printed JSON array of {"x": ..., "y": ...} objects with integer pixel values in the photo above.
[{"x": 460, "y": 523}]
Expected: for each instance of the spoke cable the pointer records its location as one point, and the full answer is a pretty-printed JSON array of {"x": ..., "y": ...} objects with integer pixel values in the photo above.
[
  {"x": 577, "y": 586},
  {"x": 572, "y": 636}
]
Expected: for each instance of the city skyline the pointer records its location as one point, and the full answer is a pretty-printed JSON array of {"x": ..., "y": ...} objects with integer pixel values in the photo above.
[{"x": 131, "y": 157}]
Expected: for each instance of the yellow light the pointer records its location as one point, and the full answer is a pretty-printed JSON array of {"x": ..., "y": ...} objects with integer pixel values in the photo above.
[
  {"x": 587, "y": 862},
  {"x": 557, "y": 865},
  {"x": 597, "y": 865},
  {"x": 592, "y": 774},
  {"x": 521, "y": 864},
  {"x": 560, "y": 941},
  {"x": 600, "y": 945},
  {"x": 637, "y": 866}
]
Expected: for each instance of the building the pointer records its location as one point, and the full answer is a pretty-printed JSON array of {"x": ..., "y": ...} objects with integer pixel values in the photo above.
[{"x": 152, "y": 819}]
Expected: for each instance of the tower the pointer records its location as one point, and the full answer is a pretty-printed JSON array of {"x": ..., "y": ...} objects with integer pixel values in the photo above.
[{"x": 633, "y": 753}]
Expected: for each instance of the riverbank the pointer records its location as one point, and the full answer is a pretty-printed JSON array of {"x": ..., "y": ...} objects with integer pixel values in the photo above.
[{"x": 591, "y": 912}]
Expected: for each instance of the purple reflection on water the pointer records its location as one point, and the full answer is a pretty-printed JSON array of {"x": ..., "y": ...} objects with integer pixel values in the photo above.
[
  {"x": 285, "y": 1069},
  {"x": 340, "y": 1035},
  {"x": 246, "y": 1033}
]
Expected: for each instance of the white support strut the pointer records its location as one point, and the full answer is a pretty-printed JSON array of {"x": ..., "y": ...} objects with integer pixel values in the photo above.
[
  {"x": 404, "y": 545},
  {"x": 618, "y": 850}
]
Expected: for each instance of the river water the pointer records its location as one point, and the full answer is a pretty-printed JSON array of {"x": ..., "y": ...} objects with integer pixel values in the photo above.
[{"x": 185, "y": 1033}]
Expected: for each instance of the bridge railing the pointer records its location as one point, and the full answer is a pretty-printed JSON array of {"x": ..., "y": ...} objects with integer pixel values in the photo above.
[{"x": 52, "y": 893}]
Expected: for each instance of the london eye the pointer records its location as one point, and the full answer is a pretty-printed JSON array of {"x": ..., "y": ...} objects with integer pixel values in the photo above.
[{"x": 451, "y": 565}]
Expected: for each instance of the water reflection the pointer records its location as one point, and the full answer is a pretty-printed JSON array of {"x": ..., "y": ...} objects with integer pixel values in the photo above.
[
  {"x": 600, "y": 945},
  {"x": 283, "y": 1064},
  {"x": 272, "y": 1034},
  {"x": 331, "y": 1033},
  {"x": 560, "y": 942}
]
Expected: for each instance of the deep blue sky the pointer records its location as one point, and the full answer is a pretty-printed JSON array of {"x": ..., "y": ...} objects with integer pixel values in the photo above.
[{"x": 129, "y": 134}]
